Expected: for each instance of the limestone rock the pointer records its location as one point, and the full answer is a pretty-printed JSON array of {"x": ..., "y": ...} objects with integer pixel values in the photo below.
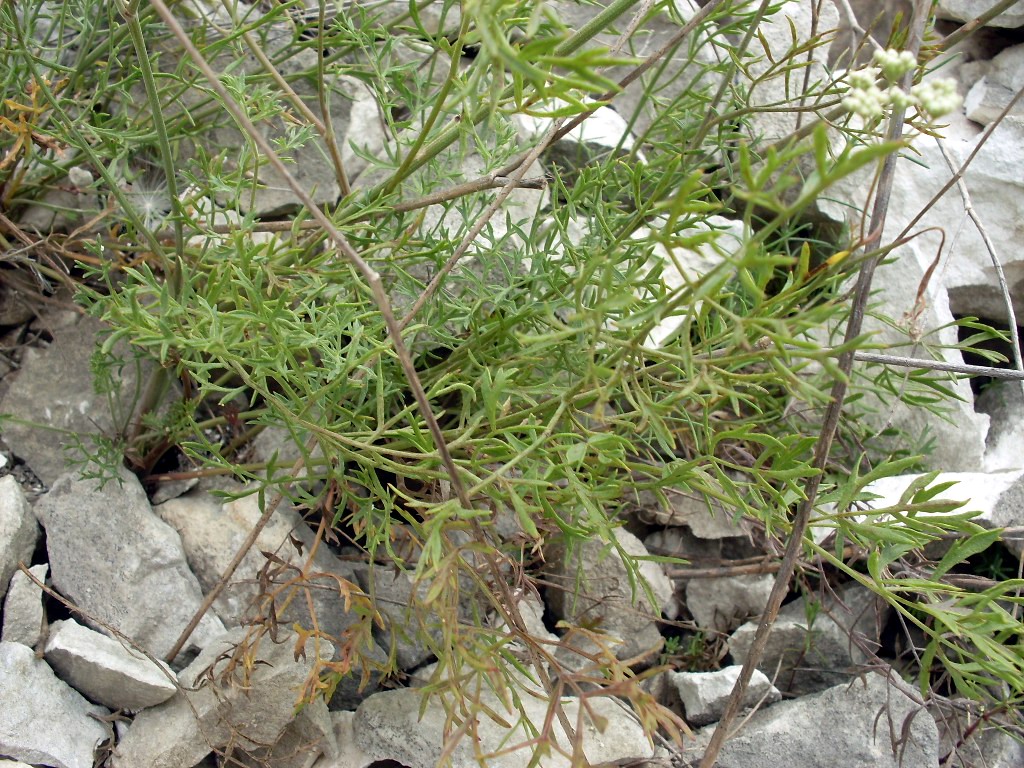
[
  {"x": 403, "y": 629},
  {"x": 594, "y": 590},
  {"x": 679, "y": 73},
  {"x": 387, "y": 726},
  {"x": 349, "y": 754},
  {"x": 1003, "y": 77},
  {"x": 43, "y": 720},
  {"x": 772, "y": 86},
  {"x": 113, "y": 557},
  {"x": 310, "y": 735},
  {"x": 706, "y": 694},
  {"x": 23, "y": 608},
  {"x": 850, "y": 724},
  {"x": 706, "y": 518},
  {"x": 722, "y": 604},
  {"x": 212, "y": 530},
  {"x": 925, "y": 301},
  {"x": 976, "y": 748},
  {"x": 876, "y": 18},
  {"x": 967, "y": 10},
  {"x": 55, "y": 387},
  {"x": 1003, "y": 403},
  {"x": 184, "y": 729},
  {"x": 997, "y": 496},
  {"x": 104, "y": 670},
  {"x": 18, "y": 530},
  {"x": 810, "y": 656}
]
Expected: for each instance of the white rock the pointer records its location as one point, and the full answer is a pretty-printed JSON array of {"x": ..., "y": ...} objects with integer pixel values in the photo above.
[
  {"x": 874, "y": 17},
  {"x": 922, "y": 295},
  {"x": 1003, "y": 78},
  {"x": 869, "y": 721},
  {"x": 310, "y": 735},
  {"x": 43, "y": 720},
  {"x": 349, "y": 754},
  {"x": 55, "y": 387},
  {"x": 403, "y": 631},
  {"x": 997, "y": 496},
  {"x": 111, "y": 556},
  {"x": 387, "y": 726},
  {"x": 182, "y": 731},
  {"x": 605, "y": 128},
  {"x": 781, "y": 88},
  {"x": 705, "y": 517},
  {"x": 811, "y": 650},
  {"x": 967, "y": 10},
  {"x": 1003, "y": 402},
  {"x": 79, "y": 176},
  {"x": 18, "y": 530},
  {"x": 23, "y": 608},
  {"x": 594, "y": 589},
  {"x": 679, "y": 73},
  {"x": 683, "y": 267},
  {"x": 211, "y": 532},
  {"x": 104, "y": 670},
  {"x": 706, "y": 694},
  {"x": 724, "y": 603}
]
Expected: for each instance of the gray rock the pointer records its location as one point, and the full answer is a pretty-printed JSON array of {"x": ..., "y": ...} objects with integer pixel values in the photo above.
[
  {"x": 996, "y": 193},
  {"x": 16, "y": 307},
  {"x": 353, "y": 113},
  {"x": 18, "y": 530},
  {"x": 966, "y": 10},
  {"x": 684, "y": 266},
  {"x": 990, "y": 95},
  {"x": 706, "y": 694},
  {"x": 679, "y": 73},
  {"x": 998, "y": 497},
  {"x": 768, "y": 84},
  {"x": 60, "y": 210},
  {"x": 722, "y": 604},
  {"x": 43, "y": 720},
  {"x": 183, "y": 730},
  {"x": 211, "y": 532},
  {"x": 965, "y": 284},
  {"x": 874, "y": 18},
  {"x": 55, "y": 387},
  {"x": 114, "y": 558},
  {"x": 986, "y": 747},
  {"x": 388, "y": 726},
  {"x": 104, "y": 670},
  {"x": 706, "y": 518},
  {"x": 23, "y": 608},
  {"x": 1003, "y": 402},
  {"x": 681, "y": 543},
  {"x": 405, "y": 275},
  {"x": 806, "y": 659},
  {"x": 393, "y": 595},
  {"x": 351, "y": 690},
  {"x": 310, "y": 735},
  {"x": 594, "y": 589},
  {"x": 349, "y": 754},
  {"x": 849, "y": 725}
]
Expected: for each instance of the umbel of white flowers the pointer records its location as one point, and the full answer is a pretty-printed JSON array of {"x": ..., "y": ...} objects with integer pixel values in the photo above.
[{"x": 932, "y": 98}]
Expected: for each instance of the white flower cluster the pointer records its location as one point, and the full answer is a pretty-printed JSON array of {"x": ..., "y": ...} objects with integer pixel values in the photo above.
[
  {"x": 934, "y": 98},
  {"x": 937, "y": 97}
]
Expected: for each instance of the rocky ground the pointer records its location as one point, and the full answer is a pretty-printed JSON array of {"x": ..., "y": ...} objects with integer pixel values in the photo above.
[{"x": 93, "y": 684}]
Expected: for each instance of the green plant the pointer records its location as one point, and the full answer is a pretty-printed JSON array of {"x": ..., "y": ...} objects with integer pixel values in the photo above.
[{"x": 430, "y": 399}]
